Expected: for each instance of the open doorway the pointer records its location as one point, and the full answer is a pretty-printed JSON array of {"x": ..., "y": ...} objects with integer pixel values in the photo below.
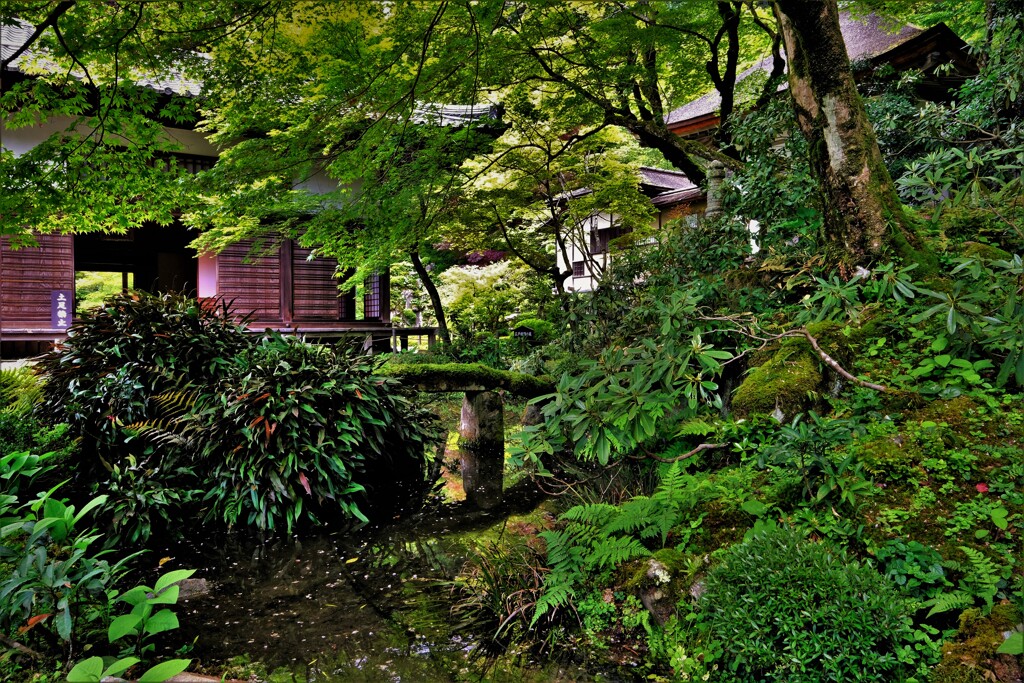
[
  {"x": 93, "y": 287},
  {"x": 153, "y": 259}
]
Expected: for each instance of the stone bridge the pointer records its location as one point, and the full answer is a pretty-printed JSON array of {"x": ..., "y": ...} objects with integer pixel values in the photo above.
[{"x": 482, "y": 427}]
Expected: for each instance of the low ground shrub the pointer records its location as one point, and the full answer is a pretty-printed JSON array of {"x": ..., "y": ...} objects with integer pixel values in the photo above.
[
  {"x": 784, "y": 608},
  {"x": 173, "y": 399},
  {"x": 55, "y": 592}
]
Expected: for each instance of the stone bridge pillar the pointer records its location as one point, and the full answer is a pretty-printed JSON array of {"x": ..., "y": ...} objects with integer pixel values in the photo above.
[{"x": 482, "y": 448}]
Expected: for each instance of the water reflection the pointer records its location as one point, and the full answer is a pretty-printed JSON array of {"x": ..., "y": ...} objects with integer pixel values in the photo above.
[{"x": 368, "y": 606}]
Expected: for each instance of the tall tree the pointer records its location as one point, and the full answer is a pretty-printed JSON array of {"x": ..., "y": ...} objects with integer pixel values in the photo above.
[
  {"x": 536, "y": 192},
  {"x": 862, "y": 214}
]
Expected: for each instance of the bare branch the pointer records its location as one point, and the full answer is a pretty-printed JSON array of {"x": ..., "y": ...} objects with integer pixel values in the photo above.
[
  {"x": 831, "y": 362},
  {"x": 18, "y": 647},
  {"x": 688, "y": 454}
]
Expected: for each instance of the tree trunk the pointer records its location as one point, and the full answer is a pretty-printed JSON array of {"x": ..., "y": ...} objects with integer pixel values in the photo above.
[
  {"x": 435, "y": 298},
  {"x": 726, "y": 83},
  {"x": 862, "y": 214}
]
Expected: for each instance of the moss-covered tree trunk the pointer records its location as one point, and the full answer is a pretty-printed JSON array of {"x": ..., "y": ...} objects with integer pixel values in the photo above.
[{"x": 863, "y": 217}]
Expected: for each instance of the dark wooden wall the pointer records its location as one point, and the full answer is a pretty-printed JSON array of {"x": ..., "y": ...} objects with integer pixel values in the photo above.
[
  {"x": 283, "y": 286},
  {"x": 250, "y": 284},
  {"x": 315, "y": 289},
  {"x": 28, "y": 275}
]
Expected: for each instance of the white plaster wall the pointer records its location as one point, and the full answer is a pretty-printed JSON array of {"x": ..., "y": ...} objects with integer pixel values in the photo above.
[
  {"x": 20, "y": 140},
  {"x": 318, "y": 183},
  {"x": 207, "y": 276},
  {"x": 580, "y": 252}
]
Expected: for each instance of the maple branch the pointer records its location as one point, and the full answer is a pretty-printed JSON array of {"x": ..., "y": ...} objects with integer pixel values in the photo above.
[{"x": 51, "y": 20}]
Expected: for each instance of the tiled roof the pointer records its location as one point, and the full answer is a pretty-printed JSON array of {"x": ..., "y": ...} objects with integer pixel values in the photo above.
[
  {"x": 453, "y": 114},
  {"x": 673, "y": 197},
  {"x": 658, "y": 178},
  {"x": 865, "y": 37},
  {"x": 13, "y": 36},
  {"x": 870, "y": 36},
  {"x": 665, "y": 188}
]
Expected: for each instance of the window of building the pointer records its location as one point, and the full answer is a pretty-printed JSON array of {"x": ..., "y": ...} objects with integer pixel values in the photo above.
[
  {"x": 600, "y": 240},
  {"x": 579, "y": 268}
]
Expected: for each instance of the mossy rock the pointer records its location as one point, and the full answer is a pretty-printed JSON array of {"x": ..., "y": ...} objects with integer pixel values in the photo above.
[
  {"x": 793, "y": 379},
  {"x": 969, "y": 223},
  {"x": 783, "y": 386},
  {"x": 986, "y": 252},
  {"x": 955, "y": 413},
  {"x": 971, "y": 657}
]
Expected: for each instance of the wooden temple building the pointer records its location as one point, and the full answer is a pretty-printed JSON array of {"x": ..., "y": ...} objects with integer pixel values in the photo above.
[
  {"x": 284, "y": 289},
  {"x": 281, "y": 288}
]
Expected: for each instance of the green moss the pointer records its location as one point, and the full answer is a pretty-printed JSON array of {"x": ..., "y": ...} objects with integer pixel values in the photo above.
[
  {"x": 906, "y": 231},
  {"x": 965, "y": 659},
  {"x": 889, "y": 457},
  {"x": 956, "y": 413},
  {"x": 793, "y": 377},
  {"x": 787, "y": 382},
  {"x": 874, "y": 323},
  {"x": 985, "y": 251},
  {"x": 466, "y": 376},
  {"x": 966, "y": 222}
]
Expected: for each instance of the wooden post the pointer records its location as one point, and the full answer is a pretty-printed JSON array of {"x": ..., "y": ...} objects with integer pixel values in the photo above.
[
  {"x": 287, "y": 282},
  {"x": 482, "y": 448}
]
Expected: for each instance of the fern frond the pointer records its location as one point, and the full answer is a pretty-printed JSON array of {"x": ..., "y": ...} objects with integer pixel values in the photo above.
[
  {"x": 594, "y": 514},
  {"x": 945, "y": 602},
  {"x": 633, "y": 516},
  {"x": 982, "y": 578},
  {"x": 610, "y": 552},
  {"x": 695, "y": 427},
  {"x": 554, "y": 596},
  {"x": 175, "y": 403}
]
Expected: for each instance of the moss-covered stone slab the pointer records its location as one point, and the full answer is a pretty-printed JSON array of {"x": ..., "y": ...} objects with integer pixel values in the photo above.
[{"x": 443, "y": 377}]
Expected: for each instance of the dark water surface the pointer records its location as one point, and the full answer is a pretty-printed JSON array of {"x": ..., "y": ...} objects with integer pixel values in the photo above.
[{"x": 370, "y": 605}]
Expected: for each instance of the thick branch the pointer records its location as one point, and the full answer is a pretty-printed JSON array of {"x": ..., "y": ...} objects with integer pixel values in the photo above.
[
  {"x": 18, "y": 647},
  {"x": 51, "y": 20},
  {"x": 688, "y": 454},
  {"x": 831, "y": 362}
]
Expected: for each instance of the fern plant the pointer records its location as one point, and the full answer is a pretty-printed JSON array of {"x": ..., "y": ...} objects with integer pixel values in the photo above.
[
  {"x": 598, "y": 537},
  {"x": 981, "y": 579}
]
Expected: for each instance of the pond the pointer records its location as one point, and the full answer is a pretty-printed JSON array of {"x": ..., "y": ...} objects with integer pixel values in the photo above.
[{"x": 373, "y": 605}]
